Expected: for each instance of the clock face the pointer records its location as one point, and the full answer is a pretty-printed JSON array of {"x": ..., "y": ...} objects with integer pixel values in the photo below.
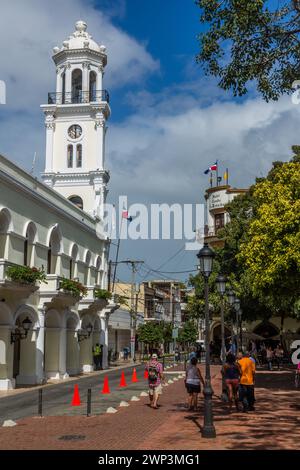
[{"x": 75, "y": 131}]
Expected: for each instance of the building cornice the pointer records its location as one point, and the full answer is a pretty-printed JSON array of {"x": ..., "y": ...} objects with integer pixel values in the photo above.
[{"x": 87, "y": 222}]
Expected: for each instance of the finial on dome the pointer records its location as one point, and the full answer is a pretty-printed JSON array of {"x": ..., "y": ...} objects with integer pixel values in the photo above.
[{"x": 80, "y": 26}]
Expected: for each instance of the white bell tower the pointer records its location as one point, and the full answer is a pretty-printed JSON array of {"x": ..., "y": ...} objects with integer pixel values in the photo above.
[{"x": 75, "y": 120}]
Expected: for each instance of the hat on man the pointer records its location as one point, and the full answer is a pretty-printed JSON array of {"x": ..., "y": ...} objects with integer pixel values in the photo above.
[{"x": 154, "y": 356}]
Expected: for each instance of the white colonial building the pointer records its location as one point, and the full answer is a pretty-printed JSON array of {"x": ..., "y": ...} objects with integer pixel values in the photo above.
[{"x": 58, "y": 227}]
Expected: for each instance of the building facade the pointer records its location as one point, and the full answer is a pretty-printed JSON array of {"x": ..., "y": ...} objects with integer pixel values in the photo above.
[{"x": 57, "y": 227}]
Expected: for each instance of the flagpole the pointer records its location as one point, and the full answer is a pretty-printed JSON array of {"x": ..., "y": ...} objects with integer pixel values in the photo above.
[
  {"x": 117, "y": 255},
  {"x": 217, "y": 173},
  {"x": 227, "y": 176}
]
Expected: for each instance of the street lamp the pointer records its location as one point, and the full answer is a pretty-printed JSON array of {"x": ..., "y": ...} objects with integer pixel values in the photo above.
[
  {"x": 19, "y": 334},
  {"x": 221, "y": 286},
  {"x": 85, "y": 332},
  {"x": 237, "y": 306},
  {"x": 206, "y": 256}
]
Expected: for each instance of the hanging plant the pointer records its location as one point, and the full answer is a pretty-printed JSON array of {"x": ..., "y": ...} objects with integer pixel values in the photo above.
[
  {"x": 73, "y": 287},
  {"x": 26, "y": 275},
  {"x": 102, "y": 294}
]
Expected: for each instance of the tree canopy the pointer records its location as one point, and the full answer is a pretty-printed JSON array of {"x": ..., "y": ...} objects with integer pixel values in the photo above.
[{"x": 251, "y": 40}]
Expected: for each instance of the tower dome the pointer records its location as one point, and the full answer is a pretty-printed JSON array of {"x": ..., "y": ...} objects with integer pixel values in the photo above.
[{"x": 80, "y": 39}]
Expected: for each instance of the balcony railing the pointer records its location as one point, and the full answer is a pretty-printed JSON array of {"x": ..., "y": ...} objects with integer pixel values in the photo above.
[{"x": 76, "y": 97}]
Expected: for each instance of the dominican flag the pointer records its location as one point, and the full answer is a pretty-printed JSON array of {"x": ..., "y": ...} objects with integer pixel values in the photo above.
[
  {"x": 126, "y": 216},
  {"x": 213, "y": 167}
]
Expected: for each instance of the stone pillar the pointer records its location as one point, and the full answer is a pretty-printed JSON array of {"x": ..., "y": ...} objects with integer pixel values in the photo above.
[
  {"x": 68, "y": 84},
  {"x": 104, "y": 339},
  {"x": 100, "y": 135},
  {"x": 63, "y": 354},
  {"x": 85, "y": 81},
  {"x": 86, "y": 355},
  {"x": 7, "y": 382},
  {"x": 40, "y": 347},
  {"x": 50, "y": 127}
]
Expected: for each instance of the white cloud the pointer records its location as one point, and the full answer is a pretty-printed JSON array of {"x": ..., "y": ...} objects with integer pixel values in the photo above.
[
  {"x": 160, "y": 152},
  {"x": 30, "y": 29}
]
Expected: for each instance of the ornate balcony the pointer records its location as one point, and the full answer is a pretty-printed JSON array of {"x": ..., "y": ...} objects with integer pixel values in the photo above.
[{"x": 79, "y": 97}]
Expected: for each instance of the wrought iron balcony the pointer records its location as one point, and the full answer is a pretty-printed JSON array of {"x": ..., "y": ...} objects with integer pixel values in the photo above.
[{"x": 95, "y": 96}]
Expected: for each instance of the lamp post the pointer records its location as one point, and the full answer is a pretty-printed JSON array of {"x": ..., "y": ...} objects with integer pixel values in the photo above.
[
  {"x": 221, "y": 286},
  {"x": 231, "y": 299},
  {"x": 19, "y": 334},
  {"x": 237, "y": 305},
  {"x": 206, "y": 256}
]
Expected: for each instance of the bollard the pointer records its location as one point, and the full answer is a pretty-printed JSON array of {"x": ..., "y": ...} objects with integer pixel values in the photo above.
[
  {"x": 89, "y": 403},
  {"x": 185, "y": 361},
  {"x": 40, "y": 403}
]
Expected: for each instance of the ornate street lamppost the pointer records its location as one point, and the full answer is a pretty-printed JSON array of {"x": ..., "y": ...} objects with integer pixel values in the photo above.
[
  {"x": 206, "y": 256},
  {"x": 18, "y": 333},
  {"x": 231, "y": 298},
  {"x": 221, "y": 286},
  {"x": 85, "y": 333},
  {"x": 237, "y": 306}
]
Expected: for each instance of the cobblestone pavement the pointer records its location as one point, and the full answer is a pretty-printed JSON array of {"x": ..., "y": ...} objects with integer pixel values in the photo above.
[{"x": 274, "y": 424}]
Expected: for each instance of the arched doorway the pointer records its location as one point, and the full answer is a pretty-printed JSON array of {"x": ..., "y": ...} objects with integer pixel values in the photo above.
[
  {"x": 6, "y": 349},
  {"x": 24, "y": 349},
  {"x": 72, "y": 360},
  {"x": 266, "y": 329}
]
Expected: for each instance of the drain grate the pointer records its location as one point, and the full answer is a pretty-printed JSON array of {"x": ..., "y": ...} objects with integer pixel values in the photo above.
[{"x": 72, "y": 437}]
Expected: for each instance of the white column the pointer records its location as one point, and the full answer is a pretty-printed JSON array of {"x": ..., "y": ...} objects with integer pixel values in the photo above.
[
  {"x": 50, "y": 126},
  {"x": 68, "y": 85},
  {"x": 99, "y": 78},
  {"x": 63, "y": 354},
  {"x": 85, "y": 81},
  {"x": 104, "y": 339},
  {"x": 7, "y": 382},
  {"x": 40, "y": 348},
  {"x": 100, "y": 136},
  {"x": 58, "y": 82}
]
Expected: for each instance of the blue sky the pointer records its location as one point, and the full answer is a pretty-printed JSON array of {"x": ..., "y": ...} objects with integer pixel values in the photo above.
[{"x": 169, "y": 122}]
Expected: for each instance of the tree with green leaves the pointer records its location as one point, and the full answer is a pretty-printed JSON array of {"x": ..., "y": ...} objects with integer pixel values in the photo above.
[
  {"x": 189, "y": 333},
  {"x": 245, "y": 41},
  {"x": 150, "y": 333},
  {"x": 262, "y": 243}
]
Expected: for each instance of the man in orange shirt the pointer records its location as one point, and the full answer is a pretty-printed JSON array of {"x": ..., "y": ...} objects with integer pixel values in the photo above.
[{"x": 246, "y": 388}]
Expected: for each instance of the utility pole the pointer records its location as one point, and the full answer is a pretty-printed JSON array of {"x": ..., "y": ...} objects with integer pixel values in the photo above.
[{"x": 133, "y": 303}]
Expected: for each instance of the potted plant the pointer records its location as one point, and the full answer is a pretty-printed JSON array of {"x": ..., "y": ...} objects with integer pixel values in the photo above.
[
  {"x": 102, "y": 294},
  {"x": 26, "y": 274},
  {"x": 73, "y": 287}
]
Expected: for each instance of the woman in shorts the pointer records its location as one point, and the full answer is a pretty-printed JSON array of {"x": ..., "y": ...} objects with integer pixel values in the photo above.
[
  {"x": 192, "y": 383},
  {"x": 232, "y": 372}
]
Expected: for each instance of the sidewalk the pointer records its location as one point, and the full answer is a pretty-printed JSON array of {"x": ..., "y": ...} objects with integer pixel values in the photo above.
[{"x": 274, "y": 425}]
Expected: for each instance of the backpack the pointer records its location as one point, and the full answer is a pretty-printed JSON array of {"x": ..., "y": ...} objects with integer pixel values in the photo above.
[{"x": 153, "y": 373}]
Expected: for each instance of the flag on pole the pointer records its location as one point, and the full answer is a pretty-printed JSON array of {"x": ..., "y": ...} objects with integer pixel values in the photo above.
[
  {"x": 213, "y": 167},
  {"x": 225, "y": 176},
  {"x": 126, "y": 216}
]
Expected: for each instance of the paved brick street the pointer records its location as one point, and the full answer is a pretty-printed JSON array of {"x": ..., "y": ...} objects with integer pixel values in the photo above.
[{"x": 274, "y": 424}]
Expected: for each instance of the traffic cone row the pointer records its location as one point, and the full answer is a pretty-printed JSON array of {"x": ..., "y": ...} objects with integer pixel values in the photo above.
[{"x": 106, "y": 390}]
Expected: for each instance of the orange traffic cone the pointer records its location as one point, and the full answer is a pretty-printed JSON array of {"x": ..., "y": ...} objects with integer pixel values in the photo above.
[
  {"x": 123, "y": 380},
  {"x": 146, "y": 374},
  {"x": 76, "y": 397},
  {"x": 134, "y": 376},
  {"x": 105, "y": 386}
]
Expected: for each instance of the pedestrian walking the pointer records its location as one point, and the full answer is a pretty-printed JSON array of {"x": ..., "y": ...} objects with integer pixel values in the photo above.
[
  {"x": 155, "y": 378},
  {"x": 125, "y": 353},
  {"x": 232, "y": 372},
  {"x": 278, "y": 355},
  {"x": 193, "y": 382},
  {"x": 270, "y": 356},
  {"x": 246, "y": 386}
]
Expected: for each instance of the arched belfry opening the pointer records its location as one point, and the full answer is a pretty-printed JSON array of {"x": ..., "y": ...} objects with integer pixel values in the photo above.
[
  {"x": 93, "y": 86},
  {"x": 76, "y": 86}
]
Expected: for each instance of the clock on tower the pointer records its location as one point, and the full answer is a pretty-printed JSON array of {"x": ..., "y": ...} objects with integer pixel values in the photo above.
[{"x": 75, "y": 120}]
